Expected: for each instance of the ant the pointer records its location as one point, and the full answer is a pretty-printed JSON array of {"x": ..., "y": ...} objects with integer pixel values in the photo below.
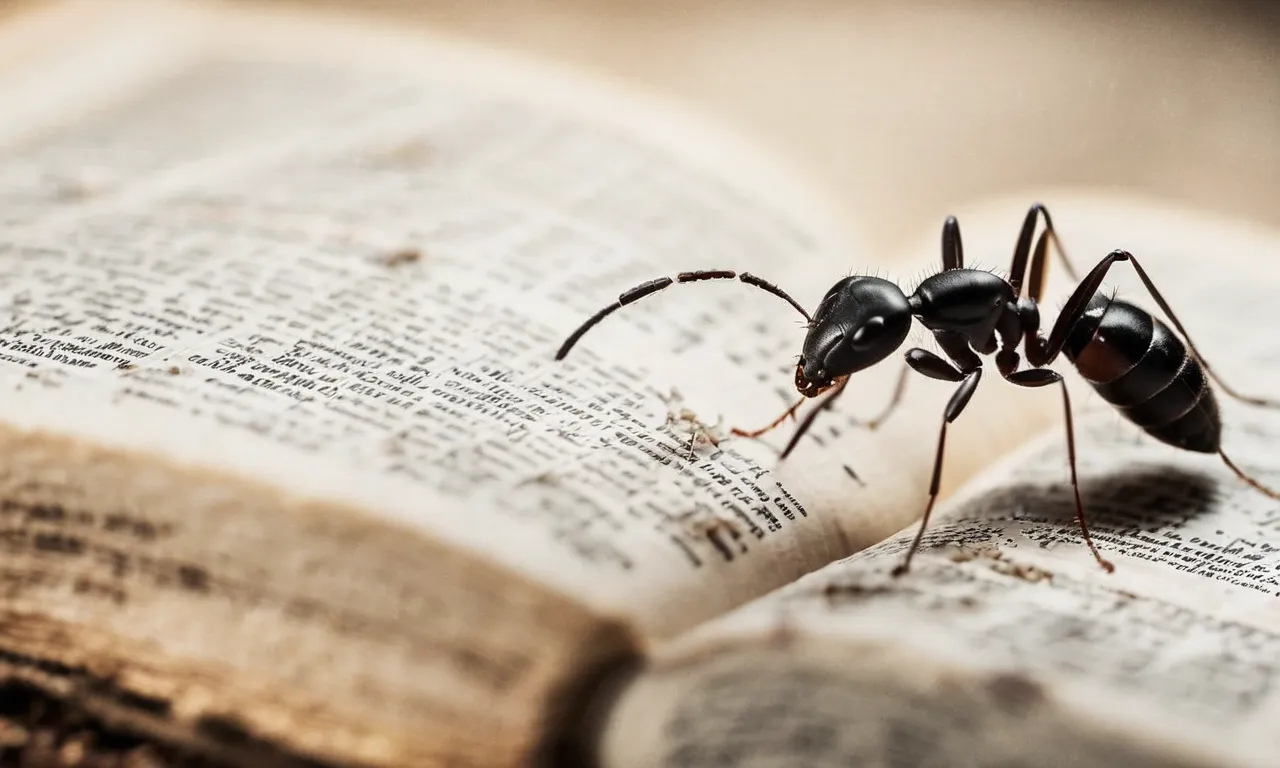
[{"x": 1129, "y": 356}]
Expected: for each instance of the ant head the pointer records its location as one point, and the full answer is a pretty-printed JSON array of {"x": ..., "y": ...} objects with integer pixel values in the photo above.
[{"x": 860, "y": 322}]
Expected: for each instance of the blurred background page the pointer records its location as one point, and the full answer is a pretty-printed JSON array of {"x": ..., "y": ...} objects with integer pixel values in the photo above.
[{"x": 905, "y": 111}]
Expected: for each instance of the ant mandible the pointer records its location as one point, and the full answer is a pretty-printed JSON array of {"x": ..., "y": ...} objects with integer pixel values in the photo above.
[{"x": 1129, "y": 356}]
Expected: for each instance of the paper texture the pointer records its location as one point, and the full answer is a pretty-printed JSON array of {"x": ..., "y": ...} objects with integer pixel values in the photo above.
[
  {"x": 819, "y": 702},
  {"x": 384, "y": 289},
  {"x": 1183, "y": 637},
  {"x": 276, "y": 346},
  {"x": 350, "y": 280}
]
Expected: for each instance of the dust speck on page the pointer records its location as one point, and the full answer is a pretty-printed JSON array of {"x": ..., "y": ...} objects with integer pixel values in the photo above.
[
  {"x": 546, "y": 477},
  {"x": 401, "y": 257},
  {"x": 997, "y": 562},
  {"x": 684, "y": 421}
]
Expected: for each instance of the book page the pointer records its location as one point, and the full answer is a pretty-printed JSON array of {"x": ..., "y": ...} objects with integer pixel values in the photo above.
[
  {"x": 858, "y": 699},
  {"x": 350, "y": 280},
  {"x": 281, "y": 406},
  {"x": 1178, "y": 645}
]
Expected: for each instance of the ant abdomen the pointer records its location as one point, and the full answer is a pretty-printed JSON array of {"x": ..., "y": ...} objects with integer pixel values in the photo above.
[{"x": 1141, "y": 366}]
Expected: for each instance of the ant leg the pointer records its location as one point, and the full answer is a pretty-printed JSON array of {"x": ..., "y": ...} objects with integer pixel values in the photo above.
[
  {"x": 894, "y": 401},
  {"x": 968, "y": 384},
  {"x": 1022, "y": 251},
  {"x": 653, "y": 286},
  {"x": 1043, "y": 354},
  {"x": 772, "y": 425},
  {"x": 1155, "y": 294},
  {"x": 926, "y": 363},
  {"x": 952, "y": 247},
  {"x": 1039, "y": 377},
  {"x": 1075, "y": 307},
  {"x": 1240, "y": 474},
  {"x": 811, "y": 415},
  {"x": 899, "y": 389}
]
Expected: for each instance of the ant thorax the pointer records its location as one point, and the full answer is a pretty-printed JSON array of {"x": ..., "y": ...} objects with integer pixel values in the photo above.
[{"x": 962, "y": 300}]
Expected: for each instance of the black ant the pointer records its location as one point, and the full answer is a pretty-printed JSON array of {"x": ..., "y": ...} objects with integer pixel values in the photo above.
[{"x": 1130, "y": 357}]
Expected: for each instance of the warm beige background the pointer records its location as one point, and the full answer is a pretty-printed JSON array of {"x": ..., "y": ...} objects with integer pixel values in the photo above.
[{"x": 907, "y": 110}]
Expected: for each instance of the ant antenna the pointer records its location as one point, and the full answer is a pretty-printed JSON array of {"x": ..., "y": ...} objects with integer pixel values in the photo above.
[{"x": 653, "y": 286}]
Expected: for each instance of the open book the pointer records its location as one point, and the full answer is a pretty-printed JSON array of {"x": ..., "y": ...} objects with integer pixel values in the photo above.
[
  {"x": 291, "y": 475},
  {"x": 1006, "y": 644}
]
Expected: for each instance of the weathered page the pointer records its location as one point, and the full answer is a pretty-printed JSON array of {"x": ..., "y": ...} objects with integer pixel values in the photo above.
[
  {"x": 349, "y": 280},
  {"x": 281, "y": 417},
  {"x": 350, "y": 283},
  {"x": 1178, "y": 645}
]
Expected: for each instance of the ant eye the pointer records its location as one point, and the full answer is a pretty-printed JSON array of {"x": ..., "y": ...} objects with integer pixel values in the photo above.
[{"x": 866, "y": 336}]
